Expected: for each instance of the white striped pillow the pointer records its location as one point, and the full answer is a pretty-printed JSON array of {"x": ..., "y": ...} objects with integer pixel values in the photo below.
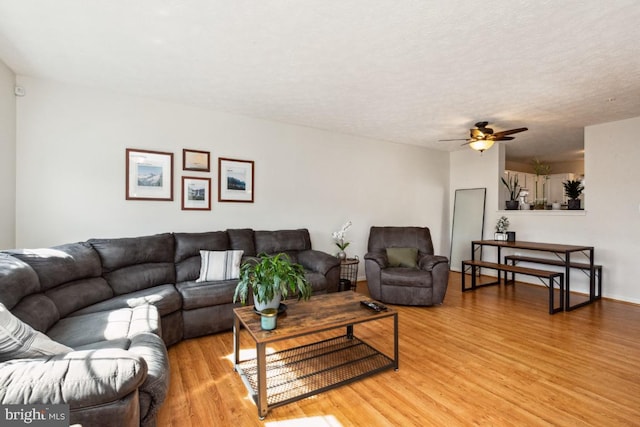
[
  {"x": 219, "y": 265},
  {"x": 20, "y": 341}
]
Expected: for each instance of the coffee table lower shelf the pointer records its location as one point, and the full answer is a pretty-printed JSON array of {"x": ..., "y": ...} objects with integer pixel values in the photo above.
[{"x": 300, "y": 372}]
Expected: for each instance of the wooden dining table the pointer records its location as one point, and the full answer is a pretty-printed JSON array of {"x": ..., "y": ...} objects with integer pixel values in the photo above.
[{"x": 562, "y": 252}]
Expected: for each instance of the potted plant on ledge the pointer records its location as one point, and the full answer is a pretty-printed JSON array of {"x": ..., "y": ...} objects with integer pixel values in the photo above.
[
  {"x": 514, "y": 192},
  {"x": 271, "y": 279},
  {"x": 573, "y": 190}
]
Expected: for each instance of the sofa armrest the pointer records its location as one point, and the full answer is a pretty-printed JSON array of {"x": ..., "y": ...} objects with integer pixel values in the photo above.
[
  {"x": 318, "y": 261},
  {"x": 428, "y": 262},
  {"x": 379, "y": 258},
  {"x": 81, "y": 378}
]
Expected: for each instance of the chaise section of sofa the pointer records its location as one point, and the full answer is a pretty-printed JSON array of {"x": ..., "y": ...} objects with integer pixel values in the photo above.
[{"x": 98, "y": 363}]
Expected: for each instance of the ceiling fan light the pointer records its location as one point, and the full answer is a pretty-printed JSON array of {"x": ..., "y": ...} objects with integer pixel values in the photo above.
[{"x": 481, "y": 144}]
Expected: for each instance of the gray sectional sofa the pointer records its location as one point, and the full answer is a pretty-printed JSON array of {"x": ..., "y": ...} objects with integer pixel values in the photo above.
[{"x": 88, "y": 324}]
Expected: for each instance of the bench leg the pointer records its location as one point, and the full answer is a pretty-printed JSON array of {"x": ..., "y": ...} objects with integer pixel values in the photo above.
[
  {"x": 552, "y": 282},
  {"x": 464, "y": 276}
]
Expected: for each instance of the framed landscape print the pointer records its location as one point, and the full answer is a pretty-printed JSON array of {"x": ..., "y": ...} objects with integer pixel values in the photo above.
[
  {"x": 196, "y": 193},
  {"x": 235, "y": 180},
  {"x": 194, "y": 160},
  {"x": 149, "y": 175}
]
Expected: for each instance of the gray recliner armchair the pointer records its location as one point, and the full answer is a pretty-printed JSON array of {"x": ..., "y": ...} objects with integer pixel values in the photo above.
[{"x": 401, "y": 267}]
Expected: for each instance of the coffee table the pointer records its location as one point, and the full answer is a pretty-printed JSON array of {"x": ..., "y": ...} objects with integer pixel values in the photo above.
[{"x": 295, "y": 373}]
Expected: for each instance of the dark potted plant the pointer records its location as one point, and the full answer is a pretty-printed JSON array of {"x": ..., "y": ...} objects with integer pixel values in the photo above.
[
  {"x": 573, "y": 189},
  {"x": 514, "y": 192},
  {"x": 271, "y": 278}
]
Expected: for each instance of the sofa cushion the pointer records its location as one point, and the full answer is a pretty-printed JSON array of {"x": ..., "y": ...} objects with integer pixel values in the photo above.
[
  {"x": 106, "y": 325},
  {"x": 165, "y": 298},
  {"x": 402, "y": 276},
  {"x": 188, "y": 247},
  {"x": 131, "y": 264},
  {"x": 242, "y": 238},
  {"x": 61, "y": 264},
  {"x": 219, "y": 265},
  {"x": 38, "y": 311},
  {"x": 82, "y": 379},
  {"x": 271, "y": 242},
  {"x": 17, "y": 280},
  {"x": 196, "y": 294},
  {"x": 190, "y": 244},
  {"x": 402, "y": 257},
  {"x": 66, "y": 271},
  {"x": 20, "y": 341}
]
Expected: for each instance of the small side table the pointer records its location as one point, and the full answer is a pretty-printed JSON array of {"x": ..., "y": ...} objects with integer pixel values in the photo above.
[{"x": 349, "y": 273}]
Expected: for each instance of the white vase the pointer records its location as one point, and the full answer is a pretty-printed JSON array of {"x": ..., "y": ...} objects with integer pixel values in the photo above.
[{"x": 274, "y": 303}]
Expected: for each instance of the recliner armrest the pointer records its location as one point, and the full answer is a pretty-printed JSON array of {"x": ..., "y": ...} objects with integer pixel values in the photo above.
[
  {"x": 318, "y": 261},
  {"x": 428, "y": 262},
  {"x": 81, "y": 378},
  {"x": 379, "y": 258}
]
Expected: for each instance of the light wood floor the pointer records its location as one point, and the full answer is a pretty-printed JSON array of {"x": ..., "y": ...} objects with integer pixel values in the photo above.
[{"x": 489, "y": 357}]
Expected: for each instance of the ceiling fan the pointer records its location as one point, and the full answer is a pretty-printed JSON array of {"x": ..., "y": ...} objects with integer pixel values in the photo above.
[{"x": 482, "y": 138}]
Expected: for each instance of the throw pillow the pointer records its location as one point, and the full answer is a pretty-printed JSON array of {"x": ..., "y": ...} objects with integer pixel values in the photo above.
[
  {"x": 20, "y": 341},
  {"x": 402, "y": 257},
  {"x": 219, "y": 265}
]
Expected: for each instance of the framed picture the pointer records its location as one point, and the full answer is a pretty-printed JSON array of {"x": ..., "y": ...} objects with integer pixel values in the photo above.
[
  {"x": 235, "y": 180},
  {"x": 194, "y": 160},
  {"x": 149, "y": 175},
  {"x": 196, "y": 193}
]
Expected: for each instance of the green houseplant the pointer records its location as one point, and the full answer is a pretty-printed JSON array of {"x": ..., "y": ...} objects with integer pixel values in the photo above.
[
  {"x": 271, "y": 278},
  {"x": 573, "y": 189},
  {"x": 514, "y": 191}
]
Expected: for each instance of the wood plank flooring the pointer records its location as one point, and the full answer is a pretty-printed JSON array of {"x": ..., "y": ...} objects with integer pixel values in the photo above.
[{"x": 493, "y": 356}]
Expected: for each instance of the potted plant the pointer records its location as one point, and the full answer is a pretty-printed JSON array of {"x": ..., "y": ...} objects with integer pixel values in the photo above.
[
  {"x": 514, "y": 191},
  {"x": 501, "y": 228},
  {"x": 271, "y": 278},
  {"x": 338, "y": 237},
  {"x": 573, "y": 189},
  {"x": 542, "y": 172}
]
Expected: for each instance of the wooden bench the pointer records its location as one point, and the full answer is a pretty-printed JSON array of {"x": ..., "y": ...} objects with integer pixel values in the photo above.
[
  {"x": 560, "y": 263},
  {"x": 552, "y": 276}
]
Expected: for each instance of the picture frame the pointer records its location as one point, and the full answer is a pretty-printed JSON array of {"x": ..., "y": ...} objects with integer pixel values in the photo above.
[
  {"x": 195, "y": 160},
  {"x": 235, "y": 180},
  {"x": 149, "y": 175},
  {"x": 196, "y": 193}
]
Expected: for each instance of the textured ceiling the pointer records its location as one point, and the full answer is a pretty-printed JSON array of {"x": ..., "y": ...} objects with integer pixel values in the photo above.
[{"x": 406, "y": 71}]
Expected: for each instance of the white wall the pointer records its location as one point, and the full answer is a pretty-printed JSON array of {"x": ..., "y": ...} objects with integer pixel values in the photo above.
[
  {"x": 611, "y": 222},
  {"x": 71, "y": 172},
  {"x": 7, "y": 157}
]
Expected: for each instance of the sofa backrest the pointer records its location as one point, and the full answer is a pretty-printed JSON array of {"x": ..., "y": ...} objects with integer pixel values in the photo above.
[
  {"x": 187, "y": 251},
  {"x": 133, "y": 263},
  {"x": 242, "y": 239},
  {"x": 381, "y": 238},
  {"x": 69, "y": 278},
  {"x": 18, "y": 285},
  {"x": 290, "y": 242}
]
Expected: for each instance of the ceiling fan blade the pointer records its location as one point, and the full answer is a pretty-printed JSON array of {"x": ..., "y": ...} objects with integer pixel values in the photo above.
[
  {"x": 509, "y": 132},
  {"x": 468, "y": 142},
  {"x": 476, "y": 133},
  {"x": 504, "y": 138}
]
